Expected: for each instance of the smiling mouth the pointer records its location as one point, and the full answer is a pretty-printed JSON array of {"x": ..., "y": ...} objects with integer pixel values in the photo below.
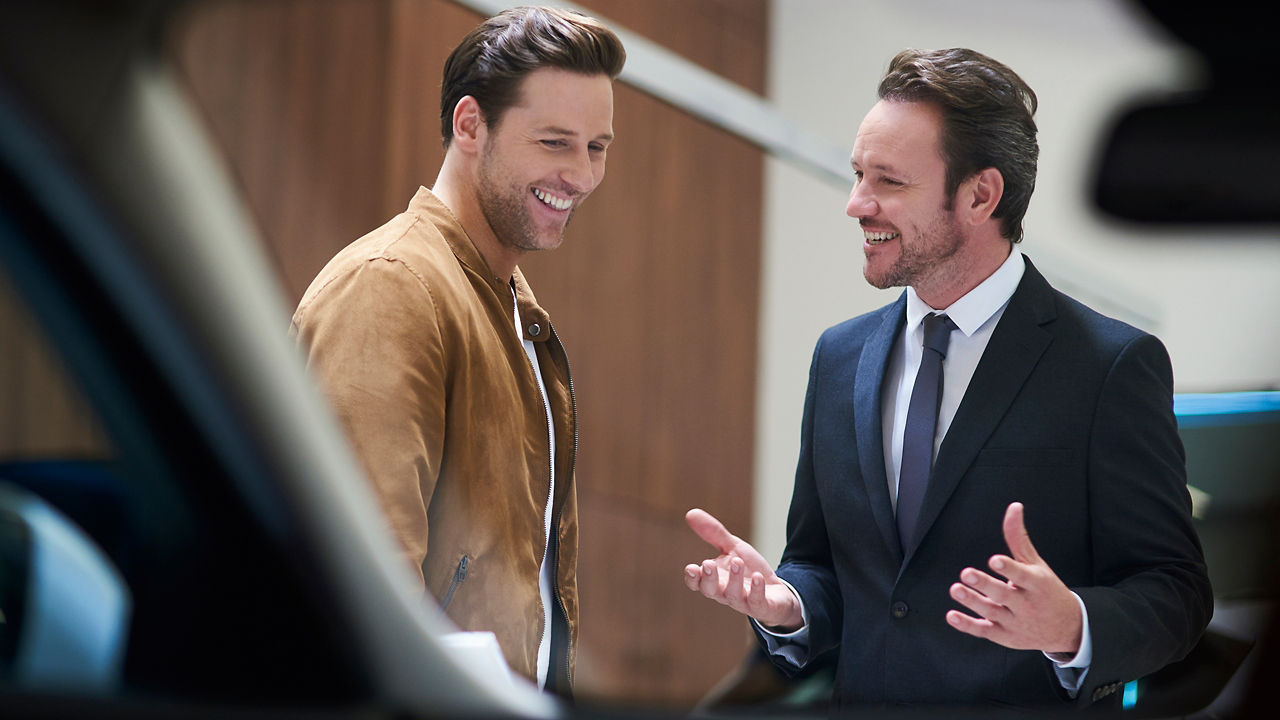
[
  {"x": 878, "y": 238},
  {"x": 554, "y": 202}
]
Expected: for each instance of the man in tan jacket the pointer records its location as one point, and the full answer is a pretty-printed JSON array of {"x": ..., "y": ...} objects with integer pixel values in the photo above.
[{"x": 445, "y": 372}]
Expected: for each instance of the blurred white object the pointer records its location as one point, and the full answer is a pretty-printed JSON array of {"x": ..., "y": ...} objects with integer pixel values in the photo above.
[{"x": 480, "y": 652}]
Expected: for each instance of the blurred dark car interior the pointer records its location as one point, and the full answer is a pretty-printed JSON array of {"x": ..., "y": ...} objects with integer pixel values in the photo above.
[
  {"x": 1206, "y": 156},
  {"x": 213, "y": 580}
]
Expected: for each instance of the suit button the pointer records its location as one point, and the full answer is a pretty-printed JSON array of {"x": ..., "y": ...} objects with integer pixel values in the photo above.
[
  {"x": 899, "y": 610},
  {"x": 535, "y": 330}
]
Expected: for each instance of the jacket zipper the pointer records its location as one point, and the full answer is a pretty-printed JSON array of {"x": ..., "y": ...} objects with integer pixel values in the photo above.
[
  {"x": 549, "y": 631},
  {"x": 553, "y": 526},
  {"x": 555, "y": 514},
  {"x": 458, "y": 576},
  {"x": 555, "y": 518}
]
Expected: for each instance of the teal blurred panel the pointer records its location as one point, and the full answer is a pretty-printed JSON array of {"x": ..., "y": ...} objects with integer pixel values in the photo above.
[{"x": 1233, "y": 456}]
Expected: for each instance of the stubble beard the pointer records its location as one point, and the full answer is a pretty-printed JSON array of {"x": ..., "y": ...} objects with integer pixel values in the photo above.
[
  {"x": 921, "y": 259},
  {"x": 504, "y": 208}
]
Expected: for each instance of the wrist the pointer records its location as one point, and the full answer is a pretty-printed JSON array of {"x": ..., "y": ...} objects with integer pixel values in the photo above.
[
  {"x": 792, "y": 618},
  {"x": 1073, "y": 638}
]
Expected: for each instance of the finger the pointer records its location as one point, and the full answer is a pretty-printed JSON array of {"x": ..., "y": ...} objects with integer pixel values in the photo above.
[
  {"x": 709, "y": 582},
  {"x": 1016, "y": 535},
  {"x": 711, "y": 530},
  {"x": 1020, "y": 576},
  {"x": 735, "y": 592},
  {"x": 755, "y": 595},
  {"x": 998, "y": 590},
  {"x": 977, "y": 627},
  {"x": 979, "y": 603},
  {"x": 692, "y": 575}
]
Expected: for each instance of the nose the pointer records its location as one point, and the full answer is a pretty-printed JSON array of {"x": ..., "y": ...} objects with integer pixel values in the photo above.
[
  {"x": 582, "y": 173},
  {"x": 861, "y": 203}
]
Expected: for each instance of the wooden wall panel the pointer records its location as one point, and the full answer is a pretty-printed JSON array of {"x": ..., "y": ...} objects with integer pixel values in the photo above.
[
  {"x": 12, "y": 336},
  {"x": 296, "y": 94},
  {"x": 727, "y": 37},
  {"x": 42, "y": 415},
  {"x": 422, "y": 36},
  {"x": 329, "y": 117},
  {"x": 647, "y": 641}
]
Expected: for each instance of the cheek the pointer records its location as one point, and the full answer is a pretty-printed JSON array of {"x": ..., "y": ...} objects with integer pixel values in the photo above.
[{"x": 910, "y": 219}]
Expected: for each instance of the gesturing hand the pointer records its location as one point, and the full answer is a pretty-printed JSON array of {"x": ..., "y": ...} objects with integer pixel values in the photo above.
[
  {"x": 740, "y": 577},
  {"x": 1031, "y": 609}
]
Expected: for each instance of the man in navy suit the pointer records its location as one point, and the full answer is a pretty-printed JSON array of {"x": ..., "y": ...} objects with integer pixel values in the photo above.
[{"x": 1052, "y": 422}]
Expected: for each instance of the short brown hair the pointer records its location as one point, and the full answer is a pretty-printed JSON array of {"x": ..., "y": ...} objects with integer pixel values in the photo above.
[
  {"x": 493, "y": 59},
  {"x": 987, "y": 120}
]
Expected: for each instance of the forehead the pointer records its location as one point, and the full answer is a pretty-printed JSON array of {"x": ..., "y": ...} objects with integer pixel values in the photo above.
[
  {"x": 895, "y": 134},
  {"x": 567, "y": 100}
]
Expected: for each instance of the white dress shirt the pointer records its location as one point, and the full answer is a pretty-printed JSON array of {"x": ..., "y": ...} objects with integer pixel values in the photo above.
[{"x": 976, "y": 316}]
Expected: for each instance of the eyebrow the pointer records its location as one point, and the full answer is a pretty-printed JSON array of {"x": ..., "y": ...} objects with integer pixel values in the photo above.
[
  {"x": 882, "y": 167},
  {"x": 555, "y": 130}
]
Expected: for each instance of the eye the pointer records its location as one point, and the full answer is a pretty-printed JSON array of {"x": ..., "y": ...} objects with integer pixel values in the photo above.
[{"x": 553, "y": 144}]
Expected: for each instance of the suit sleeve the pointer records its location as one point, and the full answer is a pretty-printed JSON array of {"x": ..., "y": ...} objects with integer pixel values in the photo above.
[
  {"x": 806, "y": 561},
  {"x": 373, "y": 346},
  {"x": 1151, "y": 598}
]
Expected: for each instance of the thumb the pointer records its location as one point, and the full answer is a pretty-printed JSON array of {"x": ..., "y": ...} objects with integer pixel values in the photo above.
[
  {"x": 711, "y": 530},
  {"x": 1016, "y": 535}
]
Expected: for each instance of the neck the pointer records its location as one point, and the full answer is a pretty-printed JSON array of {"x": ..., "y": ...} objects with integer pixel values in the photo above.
[
  {"x": 459, "y": 195},
  {"x": 963, "y": 275}
]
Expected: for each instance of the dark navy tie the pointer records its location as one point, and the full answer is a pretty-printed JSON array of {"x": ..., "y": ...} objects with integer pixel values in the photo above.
[{"x": 922, "y": 420}]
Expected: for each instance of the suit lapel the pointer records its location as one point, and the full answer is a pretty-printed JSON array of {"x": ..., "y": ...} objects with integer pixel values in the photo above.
[
  {"x": 868, "y": 386},
  {"x": 1011, "y": 355}
]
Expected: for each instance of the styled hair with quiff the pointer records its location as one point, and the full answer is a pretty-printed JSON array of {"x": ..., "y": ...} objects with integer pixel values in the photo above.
[
  {"x": 987, "y": 120},
  {"x": 493, "y": 60}
]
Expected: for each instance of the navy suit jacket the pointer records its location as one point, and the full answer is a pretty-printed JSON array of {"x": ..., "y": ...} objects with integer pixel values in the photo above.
[{"x": 1068, "y": 412}]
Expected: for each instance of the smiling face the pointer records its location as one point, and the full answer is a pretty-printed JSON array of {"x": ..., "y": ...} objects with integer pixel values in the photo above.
[
  {"x": 911, "y": 235},
  {"x": 544, "y": 157}
]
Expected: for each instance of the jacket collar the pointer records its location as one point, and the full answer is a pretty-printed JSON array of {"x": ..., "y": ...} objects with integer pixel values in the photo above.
[
  {"x": 534, "y": 320},
  {"x": 867, "y": 411}
]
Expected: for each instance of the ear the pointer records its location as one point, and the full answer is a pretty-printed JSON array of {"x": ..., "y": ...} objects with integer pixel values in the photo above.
[
  {"x": 468, "y": 125},
  {"x": 980, "y": 195}
]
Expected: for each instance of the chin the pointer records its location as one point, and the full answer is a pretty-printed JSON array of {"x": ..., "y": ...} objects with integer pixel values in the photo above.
[
  {"x": 551, "y": 243},
  {"x": 879, "y": 280},
  {"x": 539, "y": 244}
]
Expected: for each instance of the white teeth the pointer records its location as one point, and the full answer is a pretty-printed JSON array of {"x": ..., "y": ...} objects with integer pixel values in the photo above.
[
  {"x": 876, "y": 238},
  {"x": 552, "y": 200}
]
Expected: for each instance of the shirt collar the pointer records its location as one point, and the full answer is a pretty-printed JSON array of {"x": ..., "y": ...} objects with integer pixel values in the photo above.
[{"x": 978, "y": 305}]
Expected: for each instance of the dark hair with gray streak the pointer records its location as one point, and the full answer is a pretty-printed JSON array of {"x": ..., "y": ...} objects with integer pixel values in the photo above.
[
  {"x": 987, "y": 120},
  {"x": 493, "y": 60}
]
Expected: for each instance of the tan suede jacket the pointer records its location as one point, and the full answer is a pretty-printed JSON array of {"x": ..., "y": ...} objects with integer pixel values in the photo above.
[{"x": 413, "y": 341}]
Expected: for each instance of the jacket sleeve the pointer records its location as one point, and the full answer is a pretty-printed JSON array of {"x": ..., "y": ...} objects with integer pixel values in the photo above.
[
  {"x": 1151, "y": 599},
  {"x": 373, "y": 344},
  {"x": 806, "y": 561}
]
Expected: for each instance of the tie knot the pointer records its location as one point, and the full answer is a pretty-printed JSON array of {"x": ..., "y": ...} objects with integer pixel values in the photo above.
[{"x": 937, "y": 332}]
